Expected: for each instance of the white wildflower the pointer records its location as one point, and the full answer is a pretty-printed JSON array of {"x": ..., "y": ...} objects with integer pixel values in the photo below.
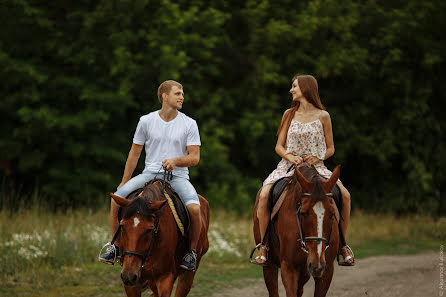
[{"x": 218, "y": 244}]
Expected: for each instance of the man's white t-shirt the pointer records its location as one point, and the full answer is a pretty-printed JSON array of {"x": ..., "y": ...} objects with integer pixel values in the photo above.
[{"x": 166, "y": 140}]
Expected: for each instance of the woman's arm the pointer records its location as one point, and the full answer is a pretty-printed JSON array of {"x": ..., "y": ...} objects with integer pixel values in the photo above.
[{"x": 328, "y": 133}]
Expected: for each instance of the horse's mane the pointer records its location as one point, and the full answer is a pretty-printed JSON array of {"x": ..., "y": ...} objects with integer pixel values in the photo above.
[
  {"x": 140, "y": 205},
  {"x": 312, "y": 175}
]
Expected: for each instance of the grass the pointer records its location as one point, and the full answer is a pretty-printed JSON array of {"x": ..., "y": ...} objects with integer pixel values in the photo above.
[
  {"x": 381, "y": 234},
  {"x": 46, "y": 254}
]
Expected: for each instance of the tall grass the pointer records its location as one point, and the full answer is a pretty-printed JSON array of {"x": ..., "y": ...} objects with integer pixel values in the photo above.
[
  {"x": 377, "y": 234},
  {"x": 35, "y": 238},
  {"x": 39, "y": 248}
]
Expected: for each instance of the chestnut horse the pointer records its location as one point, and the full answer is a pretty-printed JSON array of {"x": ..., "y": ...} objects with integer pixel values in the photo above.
[
  {"x": 151, "y": 245},
  {"x": 307, "y": 232}
]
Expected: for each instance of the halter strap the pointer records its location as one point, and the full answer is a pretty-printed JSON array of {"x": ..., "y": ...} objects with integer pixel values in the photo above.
[
  {"x": 309, "y": 195},
  {"x": 304, "y": 239},
  {"x": 145, "y": 257}
]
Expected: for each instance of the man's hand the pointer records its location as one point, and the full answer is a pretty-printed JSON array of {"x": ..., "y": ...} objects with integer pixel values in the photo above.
[{"x": 169, "y": 164}]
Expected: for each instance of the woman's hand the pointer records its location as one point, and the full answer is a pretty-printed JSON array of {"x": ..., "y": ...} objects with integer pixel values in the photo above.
[
  {"x": 293, "y": 158},
  {"x": 310, "y": 160}
]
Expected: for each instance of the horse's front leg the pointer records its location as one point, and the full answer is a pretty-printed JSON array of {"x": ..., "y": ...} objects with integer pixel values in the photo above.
[
  {"x": 152, "y": 286},
  {"x": 270, "y": 273},
  {"x": 321, "y": 284},
  {"x": 134, "y": 291},
  {"x": 164, "y": 285},
  {"x": 290, "y": 277},
  {"x": 303, "y": 278}
]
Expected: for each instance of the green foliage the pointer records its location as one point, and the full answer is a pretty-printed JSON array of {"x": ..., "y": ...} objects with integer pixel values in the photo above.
[{"x": 76, "y": 77}]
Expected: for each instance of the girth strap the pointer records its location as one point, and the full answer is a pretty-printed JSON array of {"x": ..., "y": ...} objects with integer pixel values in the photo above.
[{"x": 175, "y": 214}]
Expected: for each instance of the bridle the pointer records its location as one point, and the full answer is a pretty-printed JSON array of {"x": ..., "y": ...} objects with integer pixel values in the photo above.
[
  {"x": 144, "y": 257},
  {"x": 304, "y": 239}
]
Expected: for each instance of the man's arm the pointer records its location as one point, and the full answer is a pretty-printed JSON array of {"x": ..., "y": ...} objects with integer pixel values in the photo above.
[
  {"x": 190, "y": 160},
  {"x": 130, "y": 164}
]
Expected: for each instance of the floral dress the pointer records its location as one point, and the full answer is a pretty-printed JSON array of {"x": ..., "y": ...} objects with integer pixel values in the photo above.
[{"x": 303, "y": 139}]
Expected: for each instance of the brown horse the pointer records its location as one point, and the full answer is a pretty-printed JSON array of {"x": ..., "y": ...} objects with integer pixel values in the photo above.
[
  {"x": 307, "y": 232},
  {"x": 152, "y": 246}
]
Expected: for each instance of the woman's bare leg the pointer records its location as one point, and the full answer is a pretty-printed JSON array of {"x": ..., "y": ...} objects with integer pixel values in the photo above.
[
  {"x": 263, "y": 216},
  {"x": 345, "y": 220},
  {"x": 345, "y": 213}
]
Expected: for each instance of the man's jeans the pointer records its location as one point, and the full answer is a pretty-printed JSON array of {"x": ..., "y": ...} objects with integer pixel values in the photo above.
[{"x": 181, "y": 185}]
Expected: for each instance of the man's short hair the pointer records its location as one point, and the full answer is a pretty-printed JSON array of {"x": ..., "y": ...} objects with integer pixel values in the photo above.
[{"x": 165, "y": 87}]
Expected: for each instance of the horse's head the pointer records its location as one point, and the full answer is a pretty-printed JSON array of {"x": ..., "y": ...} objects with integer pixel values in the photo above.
[
  {"x": 316, "y": 215},
  {"x": 139, "y": 224}
]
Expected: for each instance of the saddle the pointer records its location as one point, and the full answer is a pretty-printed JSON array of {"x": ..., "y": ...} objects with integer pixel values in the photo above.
[
  {"x": 275, "y": 200},
  {"x": 274, "y": 194},
  {"x": 177, "y": 206}
]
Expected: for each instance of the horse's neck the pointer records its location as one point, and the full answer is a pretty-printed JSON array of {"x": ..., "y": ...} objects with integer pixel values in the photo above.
[
  {"x": 167, "y": 229},
  {"x": 309, "y": 172},
  {"x": 292, "y": 198},
  {"x": 154, "y": 193}
]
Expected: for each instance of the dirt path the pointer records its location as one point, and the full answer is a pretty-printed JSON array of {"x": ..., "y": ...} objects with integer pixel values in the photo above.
[{"x": 384, "y": 276}]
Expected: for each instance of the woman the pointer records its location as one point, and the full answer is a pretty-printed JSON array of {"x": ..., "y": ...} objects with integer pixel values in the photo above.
[{"x": 304, "y": 135}]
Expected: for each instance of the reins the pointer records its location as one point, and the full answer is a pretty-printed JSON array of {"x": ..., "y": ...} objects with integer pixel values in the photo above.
[{"x": 167, "y": 175}]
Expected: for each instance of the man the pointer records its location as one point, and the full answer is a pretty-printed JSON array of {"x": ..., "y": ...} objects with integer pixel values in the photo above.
[{"x": 171, "y": 140}]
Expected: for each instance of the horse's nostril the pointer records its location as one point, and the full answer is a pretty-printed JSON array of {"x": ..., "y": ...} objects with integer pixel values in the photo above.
[
  {"x": 125, "y": 280},
  {"x": 134, "y": 279},
  {"x": 129, "y": 279}
]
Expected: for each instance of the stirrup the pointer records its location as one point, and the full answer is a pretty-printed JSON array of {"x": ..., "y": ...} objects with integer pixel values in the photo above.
[
  {"x": 108, "y": 247},
  {"x": 253, "y": 261},
  {"x": 350, "y": 256}
]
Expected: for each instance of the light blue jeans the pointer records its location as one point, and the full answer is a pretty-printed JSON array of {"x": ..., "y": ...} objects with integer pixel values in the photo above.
[{"x": 181, "y": 185}]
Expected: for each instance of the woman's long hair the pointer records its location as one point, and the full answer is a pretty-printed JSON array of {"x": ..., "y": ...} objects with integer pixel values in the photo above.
[{"x": 309, "y": 89}]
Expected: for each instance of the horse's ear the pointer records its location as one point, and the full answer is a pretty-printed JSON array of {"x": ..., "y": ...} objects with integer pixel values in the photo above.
[
  {"x": 333, "y": 178},
  {"x": 304, "y": 183},
  {"x": 155, "y": 206},
  {"x": 121, "y": 201}
]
